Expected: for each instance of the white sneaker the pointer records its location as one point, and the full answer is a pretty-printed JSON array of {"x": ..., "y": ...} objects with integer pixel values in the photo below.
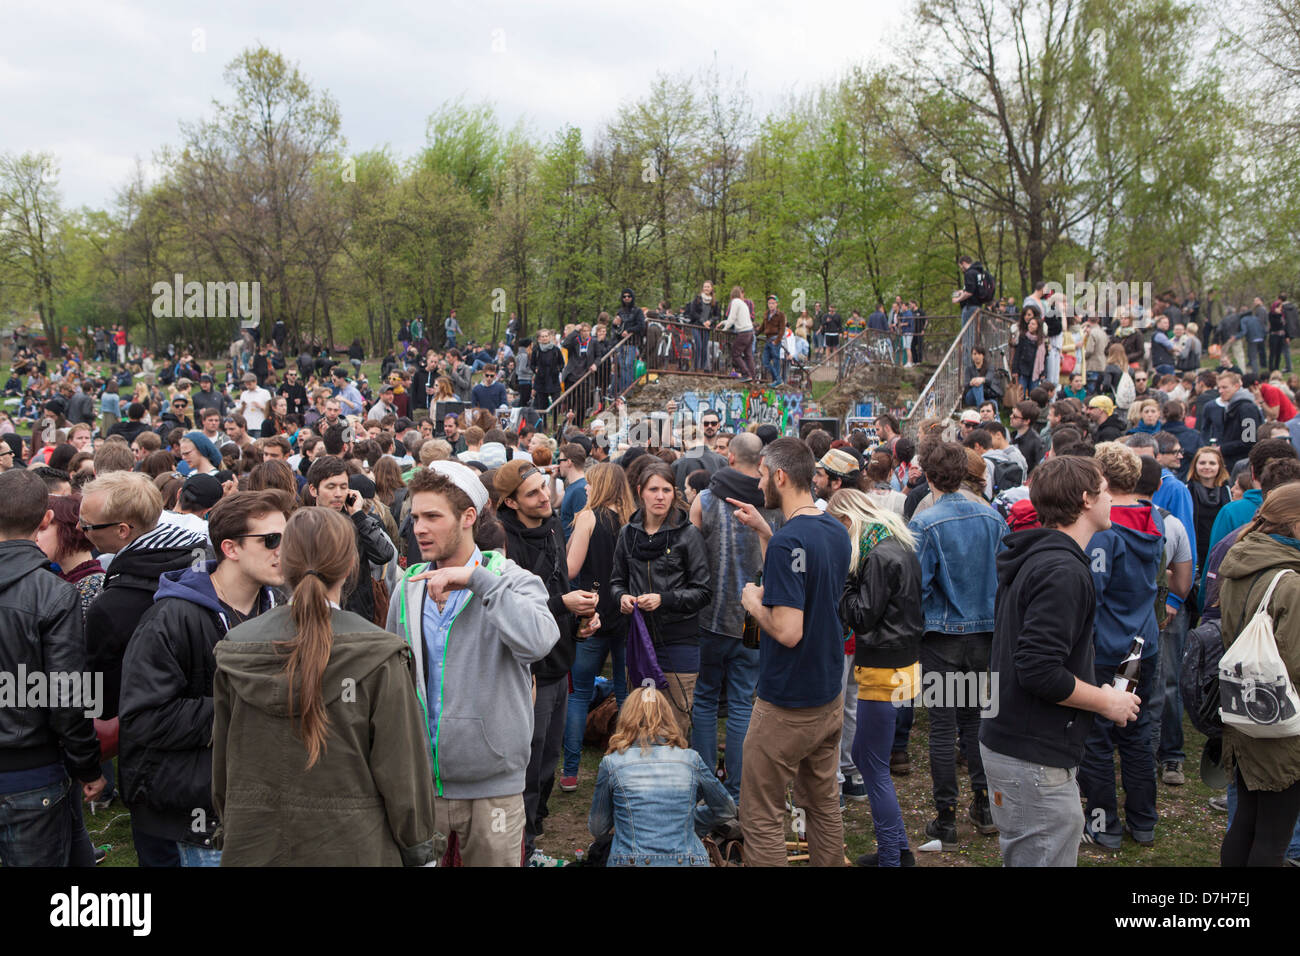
[{"x": 539, "y": 858}]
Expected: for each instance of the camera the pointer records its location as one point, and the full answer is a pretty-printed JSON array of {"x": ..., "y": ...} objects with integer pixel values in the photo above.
[{"x": 1263, "y": 701}]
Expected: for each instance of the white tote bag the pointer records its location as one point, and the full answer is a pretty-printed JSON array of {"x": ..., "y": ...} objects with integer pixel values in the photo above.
[{"x": 1255, "y": 694}]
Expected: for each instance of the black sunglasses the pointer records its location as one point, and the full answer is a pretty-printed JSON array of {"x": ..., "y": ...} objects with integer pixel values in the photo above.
[{"x": 271, "y": 540}]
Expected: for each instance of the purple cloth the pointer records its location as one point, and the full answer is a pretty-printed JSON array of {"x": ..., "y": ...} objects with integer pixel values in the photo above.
[{"x": 642, "y": 663}]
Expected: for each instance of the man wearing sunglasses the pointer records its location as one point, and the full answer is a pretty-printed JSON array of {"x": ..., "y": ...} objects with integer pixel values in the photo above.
[
  {"x": 489, "y": 393},
  {"x": 166, "y": 728}
]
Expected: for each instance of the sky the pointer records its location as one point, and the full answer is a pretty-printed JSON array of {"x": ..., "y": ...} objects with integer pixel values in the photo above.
[{"x": 102, "y": 83}]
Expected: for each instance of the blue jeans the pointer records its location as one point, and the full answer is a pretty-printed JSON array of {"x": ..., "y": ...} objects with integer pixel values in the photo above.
[
  {"x": 192, "y": 855},
  {"x": 772, "y": 359},
  {"x": 871, "y": 746},
  {"x": 36, "y": 826},
  {"x": 903, "y": 719},
  {"x": 699, "y": 351},
  {"x": 1137, "y": 762},
  {"x": 626, "y": 368},
  {"x": 974, "y": 396},
  {"x": 1026, "y": 382},
  {"x": 1172, "y": 640},
  {"x": 587, "y": 663},
  {"x": 724, "y": 658}
]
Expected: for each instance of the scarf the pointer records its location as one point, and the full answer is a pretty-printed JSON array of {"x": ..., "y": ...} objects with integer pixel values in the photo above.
[{"x": 872, "y": 535}]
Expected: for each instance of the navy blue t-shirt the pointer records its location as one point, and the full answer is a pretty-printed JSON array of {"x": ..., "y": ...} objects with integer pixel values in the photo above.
[{"x": 806, "y": 565}]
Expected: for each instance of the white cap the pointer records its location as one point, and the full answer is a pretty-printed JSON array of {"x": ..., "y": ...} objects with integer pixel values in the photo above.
[{"x": 464, "y": 478}]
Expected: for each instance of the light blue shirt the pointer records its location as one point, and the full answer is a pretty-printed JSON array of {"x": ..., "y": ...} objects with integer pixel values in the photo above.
[
  {"x": 436, "y": 626},
  {"x": 351, "y": 400}
]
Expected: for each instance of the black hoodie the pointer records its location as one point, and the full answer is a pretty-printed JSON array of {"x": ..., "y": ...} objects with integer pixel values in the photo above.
[
  {"x": 541, "y": 550},
  {"x": 631, "y": 318},
  {"x": 1042, "y": 641}
]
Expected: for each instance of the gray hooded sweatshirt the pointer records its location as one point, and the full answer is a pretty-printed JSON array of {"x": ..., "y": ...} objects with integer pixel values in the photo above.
[{"x": 483, "y": 735}]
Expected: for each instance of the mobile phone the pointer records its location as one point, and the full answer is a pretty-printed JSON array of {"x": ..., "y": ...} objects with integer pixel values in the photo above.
[{"x": 352, "y": 499}]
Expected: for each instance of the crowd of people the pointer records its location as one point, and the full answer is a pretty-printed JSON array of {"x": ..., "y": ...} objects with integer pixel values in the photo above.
[{"x": 341, "y": 624}]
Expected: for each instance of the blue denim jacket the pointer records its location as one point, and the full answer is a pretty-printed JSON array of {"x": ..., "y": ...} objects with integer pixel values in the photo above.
[
  {"x": 957, "y": 543},
  {"x": 649, "y": 798}
]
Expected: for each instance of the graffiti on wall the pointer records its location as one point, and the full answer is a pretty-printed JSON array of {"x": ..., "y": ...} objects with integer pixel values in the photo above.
[{"x": 756, "y": 405}]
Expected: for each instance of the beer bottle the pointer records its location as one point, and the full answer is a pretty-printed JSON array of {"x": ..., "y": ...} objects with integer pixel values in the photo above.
[
  {"x": 1130, "y": 668},
  {"x": 586, "y": 618},
  {"x": 749, "y": 636}
]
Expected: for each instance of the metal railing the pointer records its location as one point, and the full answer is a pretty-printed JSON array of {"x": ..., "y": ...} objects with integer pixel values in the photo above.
[
  {"x": 683, "y": 348},
  {"x": 605, "y": 381},
  {"x": 873, "y": 346},
  {"x": 944, "y": 392}
]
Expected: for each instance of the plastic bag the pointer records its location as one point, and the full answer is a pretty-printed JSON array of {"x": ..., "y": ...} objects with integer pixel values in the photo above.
[
  {"x": 1256, "y": 695},
  {"x": 642, "y": 663}
]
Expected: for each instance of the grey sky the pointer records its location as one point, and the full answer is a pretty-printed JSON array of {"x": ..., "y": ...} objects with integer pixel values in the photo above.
[{"x": 101, "y": 82}]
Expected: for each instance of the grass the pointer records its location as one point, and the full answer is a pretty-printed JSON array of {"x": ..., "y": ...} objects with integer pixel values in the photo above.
[{"x": 1188, "y": 835}]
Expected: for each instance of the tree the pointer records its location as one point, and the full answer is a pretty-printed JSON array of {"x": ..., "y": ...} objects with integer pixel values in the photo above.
[{"x": 30, "y": 221}]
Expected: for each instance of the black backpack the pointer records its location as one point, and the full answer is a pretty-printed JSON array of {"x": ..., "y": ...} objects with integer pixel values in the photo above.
[
  {"x": 1199, "y": 679},
  {"x": 984, "y": 284},
  {"x": 1006, "y": 475}
]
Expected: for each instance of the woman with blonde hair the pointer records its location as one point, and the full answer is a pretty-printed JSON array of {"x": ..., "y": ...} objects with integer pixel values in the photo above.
[
  {"x": 320, "y": 752},
  {"x": 882, "y": 604},
  {"x": 1144, "y": 417},
  {"x": 610, "y": 505},
  {"x": 647, "y": 788}
]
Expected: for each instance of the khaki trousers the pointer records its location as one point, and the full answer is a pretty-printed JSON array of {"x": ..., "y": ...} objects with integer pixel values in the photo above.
[
  {"x": 491, "y": 829},
  {"x": 787, "y": 744}
]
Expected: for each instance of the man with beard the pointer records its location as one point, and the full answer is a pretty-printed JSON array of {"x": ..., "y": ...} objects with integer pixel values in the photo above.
[
  {"x": 794, "y": 731},
  {"x": 476, "y": 685},
  {"x": 535, "y": 539},
  {"x": 838, "y": 468},
  {"x": 294, "y": 391}
]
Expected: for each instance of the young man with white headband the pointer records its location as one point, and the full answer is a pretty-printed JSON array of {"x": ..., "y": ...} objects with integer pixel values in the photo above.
[{"x": 476, "y": 624}]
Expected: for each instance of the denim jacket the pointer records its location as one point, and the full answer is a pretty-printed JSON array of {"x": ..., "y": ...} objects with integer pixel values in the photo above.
[
  {"x": 957, "y": 543},
  {"x": 649, "y": 798}
]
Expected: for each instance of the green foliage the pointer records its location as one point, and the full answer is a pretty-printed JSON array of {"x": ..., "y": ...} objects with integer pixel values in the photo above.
[{"x": 1042, "y": 137}]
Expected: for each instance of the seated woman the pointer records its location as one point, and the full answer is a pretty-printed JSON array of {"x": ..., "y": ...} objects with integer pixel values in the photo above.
[
  {"x": 981, "y": 381},
  {"x": 647, "y": 788}
]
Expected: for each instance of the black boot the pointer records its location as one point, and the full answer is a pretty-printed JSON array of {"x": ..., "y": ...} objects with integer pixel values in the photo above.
[
  {"x": 980, "y": 814},
  {"x": 944, "y": 828}
]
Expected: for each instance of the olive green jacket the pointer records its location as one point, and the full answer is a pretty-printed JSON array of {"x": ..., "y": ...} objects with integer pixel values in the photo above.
[
  {"x": 368, "y": 800},
  {"x": 1247, "y": 569}
]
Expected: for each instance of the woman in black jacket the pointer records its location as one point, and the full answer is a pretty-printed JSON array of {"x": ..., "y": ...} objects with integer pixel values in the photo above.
[
  {"x": 702, "y": 312},
  {"x": 660, "y": 569},
  {"x": 546, "y": 360},
  {"x": 882, "y": 605}
]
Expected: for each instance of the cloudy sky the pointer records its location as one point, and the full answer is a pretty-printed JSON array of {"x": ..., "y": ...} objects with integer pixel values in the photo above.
[{"x": 102, "y": 82}]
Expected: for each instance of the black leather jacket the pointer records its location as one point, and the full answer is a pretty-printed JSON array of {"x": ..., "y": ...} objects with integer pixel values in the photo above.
[
  {"x": 882, "y": 603},
  {"x": 40, "y": 621},
  {"x": 678, "y": 573}
]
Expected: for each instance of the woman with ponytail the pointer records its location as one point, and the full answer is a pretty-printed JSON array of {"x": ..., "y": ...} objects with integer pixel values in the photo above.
[{"x": 320, "y": 755}]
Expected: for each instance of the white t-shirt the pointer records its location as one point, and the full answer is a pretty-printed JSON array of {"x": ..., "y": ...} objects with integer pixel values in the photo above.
[{"x": 253, "y": 416}]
